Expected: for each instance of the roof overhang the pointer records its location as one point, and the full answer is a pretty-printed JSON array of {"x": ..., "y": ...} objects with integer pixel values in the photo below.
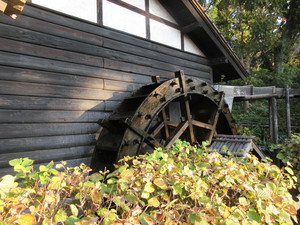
[{"x": 195, "y": 23}]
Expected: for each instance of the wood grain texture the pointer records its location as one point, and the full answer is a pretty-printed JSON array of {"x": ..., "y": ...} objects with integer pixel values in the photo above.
[
  {"x": 48, "y": 155},
  {"x": 46, "y": 116},
  {"x": 44, "y": 143},
  {"x": 59, "y": 75},
  {"x": 46, "y": 129},
  {"x": 46, "y": 103}
]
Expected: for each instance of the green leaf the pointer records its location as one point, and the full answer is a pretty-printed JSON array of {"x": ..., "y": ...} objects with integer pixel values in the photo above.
[
  {"x": 43, "y": 168},
  {"x": 60, "y": 216},
  {"x": 95, "y": 177},
  {"x": 15, "y": 162},
  {"x": 72, "y": 220},
  {"x": 177, "y": 189},
  {"x": 193, "y": 218},
  {"x": 27, "y": 162},
  {"x": 253, "y": 215},
  {"x": 289, "y": 170}
]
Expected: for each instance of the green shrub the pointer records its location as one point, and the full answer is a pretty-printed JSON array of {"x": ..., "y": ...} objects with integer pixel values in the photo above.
[
  {"x": 289, "y": 153},
  {"x": 183, "y": 185}
]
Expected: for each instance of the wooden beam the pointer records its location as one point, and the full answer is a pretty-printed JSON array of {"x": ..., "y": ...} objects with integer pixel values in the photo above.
[
  {"x": 256, "y": 97},
  {"x": 190, "y": 27},
  {"x": 100, "y": 12},
  {"x": 288, "y": 111},
  {"x": 218, "y": 61},
  {"x": 245, "y": 93}
]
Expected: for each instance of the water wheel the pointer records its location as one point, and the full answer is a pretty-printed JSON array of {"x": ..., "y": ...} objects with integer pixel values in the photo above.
[{"x": 158, "y": 114}]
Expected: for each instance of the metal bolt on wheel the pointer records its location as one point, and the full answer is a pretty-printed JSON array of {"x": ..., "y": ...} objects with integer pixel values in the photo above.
[{"x": 158, "y": 114}]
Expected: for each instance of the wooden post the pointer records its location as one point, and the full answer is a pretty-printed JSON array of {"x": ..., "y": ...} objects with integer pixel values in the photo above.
[
  {"x": 270, "y": 120},
  {"x": 288, "y": 111},
  {"x": 274, "y": 118}
]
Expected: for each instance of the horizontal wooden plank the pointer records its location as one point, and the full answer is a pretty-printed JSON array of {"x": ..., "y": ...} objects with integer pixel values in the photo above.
[
  {"x": 46, "y": 129},
  {"x": 136, "y": 68},
  {"x": 70, "y": 163},
  {"x": 71, "y": 22},
  {"x": 51, "y": 29},
  {"x": 141, "y": 56},
  {"x": 24, "y": 35},
  {"x": 113, "y": 34},
  {"x": 56, "y": 54},
  {"x": 55, "y": 39},
  {"x": 29, "y": 89},
  {"x": 38, "y": 63},
  {"x": 50, "y": 53},
  {"x": 43, "y": 116},
  {"x": 140, "y": 51},
  {"x": 46, "y": 156},
  {"x": 113, "y": 85},
  {"x": 144, "y": 61},
  {"x": 41, "y": 143},
  {"x": 43, "y": 103},
  {"x": 36, "y": 76}
]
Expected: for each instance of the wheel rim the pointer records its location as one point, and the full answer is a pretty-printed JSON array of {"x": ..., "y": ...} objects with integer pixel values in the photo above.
[{"x": 182, "y": 107}]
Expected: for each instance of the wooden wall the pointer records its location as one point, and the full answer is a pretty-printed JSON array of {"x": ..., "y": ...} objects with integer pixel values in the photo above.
[{"x": 59, "y": 75}]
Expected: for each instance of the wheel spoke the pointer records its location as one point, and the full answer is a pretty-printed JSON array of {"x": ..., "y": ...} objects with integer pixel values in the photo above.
[
  {"x": 165, "y": 121},
  {"x": 215, "y": 119},
  {"x": 185, "y": 105},
  {"x": 157, "y": 129},
  {"x": 202, "y": 125},
  {"x": 176, "y": 133}
]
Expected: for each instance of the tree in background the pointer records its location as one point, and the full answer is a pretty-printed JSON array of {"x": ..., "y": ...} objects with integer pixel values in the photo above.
[
  {"x": 265, "y": 36},
  {"x": 263, "y": 33}
]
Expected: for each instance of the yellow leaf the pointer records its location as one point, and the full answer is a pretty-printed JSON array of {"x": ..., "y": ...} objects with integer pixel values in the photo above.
[
  {"x": 126, "y": 175},
  {"x": 153, "y": 202},
  {"x": 160, "y": 183},
  {"x": 148, "y": 220},
  {"x": 149, "y": 188},
  {"x": 74, "y": 210},
  {"x": 95, "y": 196},
  {"x": 27, "y": 219},
  {"x": 290, "y": 209},
  {"x": 7, "y": 183},
  {"x": 145, "y": 195}
]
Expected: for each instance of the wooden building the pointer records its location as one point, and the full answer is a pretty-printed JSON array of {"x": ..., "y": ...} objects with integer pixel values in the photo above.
[{"x": 64, "y": 64}]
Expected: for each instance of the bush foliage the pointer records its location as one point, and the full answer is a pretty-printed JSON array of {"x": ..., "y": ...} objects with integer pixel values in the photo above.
[
  {"x": 183, "y": 185},
  {"x": 289, "y": 154}
]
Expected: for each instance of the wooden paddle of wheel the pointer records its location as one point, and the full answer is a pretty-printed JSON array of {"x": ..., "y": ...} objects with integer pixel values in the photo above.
[{"x": 156, "y": 115}]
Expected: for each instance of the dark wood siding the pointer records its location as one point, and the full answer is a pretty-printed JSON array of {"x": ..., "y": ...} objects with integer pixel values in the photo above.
[{"x": 59, "y": 75}]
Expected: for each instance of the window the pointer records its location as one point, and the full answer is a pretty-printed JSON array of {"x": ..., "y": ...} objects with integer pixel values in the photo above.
[{"x": 85, "y": 9}]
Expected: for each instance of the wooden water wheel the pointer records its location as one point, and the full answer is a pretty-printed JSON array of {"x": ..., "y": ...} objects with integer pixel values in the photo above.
[{"x": 159, "y": 113}]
